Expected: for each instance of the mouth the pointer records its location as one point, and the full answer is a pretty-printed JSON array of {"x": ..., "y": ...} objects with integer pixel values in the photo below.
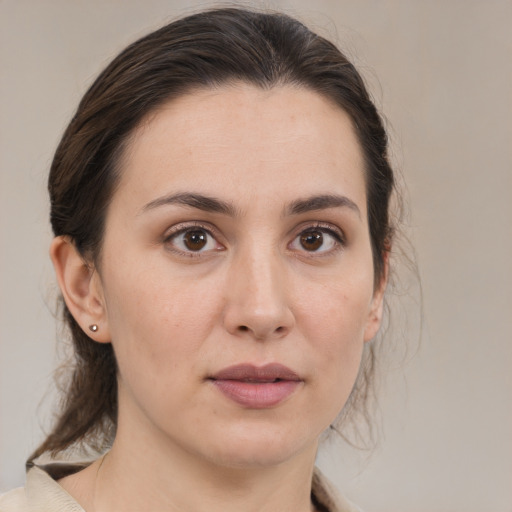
[{"x": 256, "y": 387}]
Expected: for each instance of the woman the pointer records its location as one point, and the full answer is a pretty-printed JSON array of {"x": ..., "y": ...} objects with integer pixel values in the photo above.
[{"x": 220, "y": 205}]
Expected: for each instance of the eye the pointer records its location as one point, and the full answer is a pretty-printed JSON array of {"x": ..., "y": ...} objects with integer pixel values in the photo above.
[
  {"x": 194, "y": 239},
  {"x": 317, "y": 240}
]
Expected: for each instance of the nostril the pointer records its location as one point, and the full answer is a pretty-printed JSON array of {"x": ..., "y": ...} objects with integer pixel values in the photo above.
[{"x": 263, "y": 332}]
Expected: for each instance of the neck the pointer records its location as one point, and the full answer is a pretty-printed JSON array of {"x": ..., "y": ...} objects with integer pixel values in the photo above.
[
  {"x": 142, "y": 478},
  {"x": 147, "y": 469}
]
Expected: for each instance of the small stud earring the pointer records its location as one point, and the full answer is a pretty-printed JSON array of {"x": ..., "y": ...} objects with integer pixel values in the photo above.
[{"x": 93, "y": 327}]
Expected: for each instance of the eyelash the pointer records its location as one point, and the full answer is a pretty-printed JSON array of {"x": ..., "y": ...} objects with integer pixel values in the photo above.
[
  {"x": 335, "y": 233},
  {"x": 182, "y": 229}
]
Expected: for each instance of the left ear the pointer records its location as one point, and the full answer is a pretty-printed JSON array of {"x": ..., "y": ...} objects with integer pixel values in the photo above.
[{"x": 377, "y": 305}]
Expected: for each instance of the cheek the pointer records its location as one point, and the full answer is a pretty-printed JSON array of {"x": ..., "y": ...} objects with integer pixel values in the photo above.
[
  {"x": 156, "y": 320},
  {"x": 337, "y": 312},
  {"x": 334, "y": 319}
]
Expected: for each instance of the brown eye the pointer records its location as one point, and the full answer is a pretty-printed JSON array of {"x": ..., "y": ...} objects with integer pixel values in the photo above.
[
  {"x": 195, "y": 240},
  {"x": 318, "y": 241},
  {"x": 311, "y": 240}
]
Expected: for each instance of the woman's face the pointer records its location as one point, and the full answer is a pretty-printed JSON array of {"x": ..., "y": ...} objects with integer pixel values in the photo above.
[{"x": 236, "y": 274}]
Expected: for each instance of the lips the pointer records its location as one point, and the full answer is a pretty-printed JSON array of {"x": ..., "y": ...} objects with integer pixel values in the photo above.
[{"x": 256, "y": 387}]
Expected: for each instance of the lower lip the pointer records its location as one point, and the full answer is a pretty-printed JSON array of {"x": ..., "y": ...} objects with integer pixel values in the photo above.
[{"x": 257, "y": 395}]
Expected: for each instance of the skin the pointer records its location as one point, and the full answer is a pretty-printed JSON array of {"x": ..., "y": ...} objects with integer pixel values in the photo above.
[{"x": 255, "y": 293}]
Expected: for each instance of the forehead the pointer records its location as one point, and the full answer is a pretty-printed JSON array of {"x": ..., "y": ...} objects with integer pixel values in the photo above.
[{"x": 248, "y": 139}]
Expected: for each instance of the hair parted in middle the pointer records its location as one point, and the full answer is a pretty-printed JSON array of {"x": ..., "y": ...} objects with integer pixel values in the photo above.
[{"x": 209, "y": 49}]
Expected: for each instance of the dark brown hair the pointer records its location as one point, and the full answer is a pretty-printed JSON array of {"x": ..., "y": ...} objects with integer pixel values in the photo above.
[{"x": 203, "y": 50}]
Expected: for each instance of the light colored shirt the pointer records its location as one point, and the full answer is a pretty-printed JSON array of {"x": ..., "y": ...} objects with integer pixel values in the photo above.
[{"x": 42, "y": 493}]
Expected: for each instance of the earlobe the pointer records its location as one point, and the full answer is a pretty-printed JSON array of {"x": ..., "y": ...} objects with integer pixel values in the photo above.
[
  {"x": 81, "y": 288},
  {"x": 375, "y": 316},
  {"x": 377, "y": 304}
]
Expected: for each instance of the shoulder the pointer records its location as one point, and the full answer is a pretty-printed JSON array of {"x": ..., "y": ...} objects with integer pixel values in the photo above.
[
  {"x": 40, "y": 494},
  {"x": 14, "y": 501},
  {"x": 326, "y": 496}
]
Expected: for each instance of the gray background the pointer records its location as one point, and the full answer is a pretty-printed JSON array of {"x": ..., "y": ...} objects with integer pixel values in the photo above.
[{"x": 445, "y": 85}]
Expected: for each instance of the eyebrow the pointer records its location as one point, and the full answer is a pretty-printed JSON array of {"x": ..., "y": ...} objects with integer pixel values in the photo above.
[
  {"x": 198, "y": 201},
  {"x": 211, "y": 204},
  {"x": 322, "y": 202}
]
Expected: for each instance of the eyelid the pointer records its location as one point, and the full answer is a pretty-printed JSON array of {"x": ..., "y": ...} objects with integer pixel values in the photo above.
[
  {"x": 183, "y": 227},
  {"x": 186, "y": 225},
  {"x": 325, "y": 227}
]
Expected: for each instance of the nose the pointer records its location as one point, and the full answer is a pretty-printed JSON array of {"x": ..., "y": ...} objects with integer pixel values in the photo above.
[{"x": 257, "y": 304}]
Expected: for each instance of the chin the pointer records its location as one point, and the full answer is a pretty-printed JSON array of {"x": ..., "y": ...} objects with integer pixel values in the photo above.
[{"x": 260, "y": 445}]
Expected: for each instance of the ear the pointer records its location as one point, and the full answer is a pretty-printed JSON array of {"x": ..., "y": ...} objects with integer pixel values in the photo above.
[
  {"x": 377, "y": 304},
  {"x": 81, "y": 288}
]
